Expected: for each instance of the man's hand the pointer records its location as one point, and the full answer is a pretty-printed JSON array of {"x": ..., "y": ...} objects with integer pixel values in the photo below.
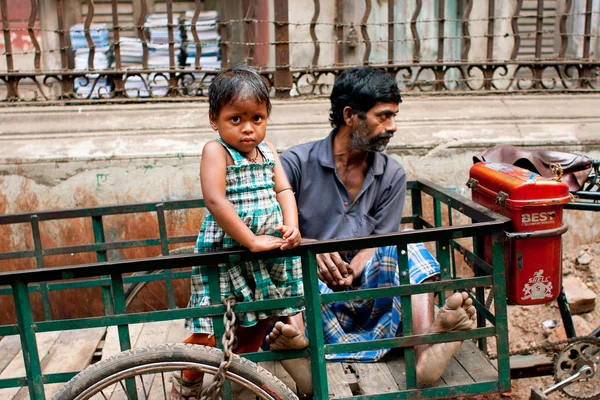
[
  {"x": 265, "y": 242},
  {"x": 333, "y": 271},
  {"x": 291, "y": 236}
]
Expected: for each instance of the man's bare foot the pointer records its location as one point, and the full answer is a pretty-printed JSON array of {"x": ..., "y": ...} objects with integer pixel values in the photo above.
[
  {"x": 458, "y": 314},
  {"x": 286, "y": 337}
]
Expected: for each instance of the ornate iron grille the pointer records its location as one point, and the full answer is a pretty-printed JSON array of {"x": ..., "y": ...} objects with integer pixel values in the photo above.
[{"x": 435, "y": 46}]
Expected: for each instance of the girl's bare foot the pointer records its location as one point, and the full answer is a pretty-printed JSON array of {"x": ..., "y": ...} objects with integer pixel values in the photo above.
[{"x": 286, "y": 337}]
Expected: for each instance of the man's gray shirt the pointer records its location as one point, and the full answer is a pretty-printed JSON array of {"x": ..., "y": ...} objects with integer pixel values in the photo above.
[{"x": 323, "y": 201}]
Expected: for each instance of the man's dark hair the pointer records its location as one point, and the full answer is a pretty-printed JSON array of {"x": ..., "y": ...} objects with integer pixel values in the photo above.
[
  {"x": 361, "y": 88},
  {"x": 233, "y": 83}
]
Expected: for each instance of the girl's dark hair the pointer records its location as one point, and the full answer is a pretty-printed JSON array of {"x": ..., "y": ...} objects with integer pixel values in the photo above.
[
  {"x": 239, "y": 80},
  {"x": 361, "y": 88}
]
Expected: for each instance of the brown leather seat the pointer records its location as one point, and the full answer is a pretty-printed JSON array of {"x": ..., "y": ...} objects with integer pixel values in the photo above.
[{"x": 575, "y": 167}]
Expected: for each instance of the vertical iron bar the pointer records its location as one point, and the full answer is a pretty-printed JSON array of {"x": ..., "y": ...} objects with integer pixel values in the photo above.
[
  {"x": 489, "y": 71},
  {"x": 415, "y": 32},
  {"x": 141, "y": 31},
  {"x": 439, "y": 69},
  {"x": 283, "y": 75},
  {"x": 313, "y": 33},
  {"x": 479, "y": 251},
  {"x": 30, "y": 28},
  {"x": 216, "y": 297},
  {"x": 123, "y": 330},
  {"x": 365, "y": 32},
  {"x": 249, "y": 30},
  {"x": 314, "y": 325},
  {"x": 565, "y": 314},
  {"x": 88, "y": 37},
  {"x": 515, "y": 28},
  {"x": 490, "y": 30},
  {"x": 391, "y": 36},
  {"x": 224, "y": 45},
  {"x": 199, "y": 7},
  {"x": 562, "y": 28},
  {"x": 172, "y": 74},
  {"x": 465, "y": 30},
  {"x": 339, "y": 32},
  {"x": 39, "y": 260},
  {"x": 450, "y": 244},
  {"x": 7, "y": 41},
  {"x": 119, "y": 89},
  {"x": 164, "y": 245},
  {"x": 442, "y": 252},
  {"x": 11, "y": 83},
  {"x": 502, "y": 345},
  {"x": 539, "y": 29},
  {"x": 417, "y": 207},
  {"x": 31, "y": 357},
  {"x": 102, "y": 256},
  {"x": 587, "y": 69},
  {"x": 406, "y": 302},
  {"x": 66, "y": 81}
]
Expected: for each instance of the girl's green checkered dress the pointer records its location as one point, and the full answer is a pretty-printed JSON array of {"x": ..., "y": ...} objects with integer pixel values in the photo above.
[{"x": 249, "y": 188}]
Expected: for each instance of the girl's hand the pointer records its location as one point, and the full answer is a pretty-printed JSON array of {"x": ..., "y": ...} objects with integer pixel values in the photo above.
[
  {"x": 291, "y": 236},
  {"x": 265, "y": 242}
]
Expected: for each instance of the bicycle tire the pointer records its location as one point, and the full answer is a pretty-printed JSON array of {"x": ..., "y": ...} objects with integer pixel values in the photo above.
[{"x": 173, "y": 357}]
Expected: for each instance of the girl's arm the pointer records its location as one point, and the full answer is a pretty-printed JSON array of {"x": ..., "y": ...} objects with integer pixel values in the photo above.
[
  {"x": 287, "y": 201},
  {"x": 285, "y": 195},
  {"x": 213, "y": 169}
]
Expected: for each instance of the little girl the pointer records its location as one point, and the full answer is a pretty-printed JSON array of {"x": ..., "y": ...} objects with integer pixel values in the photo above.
[{"x": 250, "y": 204}]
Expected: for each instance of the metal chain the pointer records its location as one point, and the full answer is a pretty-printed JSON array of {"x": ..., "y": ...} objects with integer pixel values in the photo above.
[
  {"x": 213, "y": 391},
  {"x": 557, "y": 171},
  {"x": 546, "y": 346}
]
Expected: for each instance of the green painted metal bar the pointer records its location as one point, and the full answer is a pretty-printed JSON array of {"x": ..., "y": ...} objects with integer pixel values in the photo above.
[
  {"x": 433, "y": 393},
  {"x": 123, "y": 330},
  {"x": 314, "y": 325},
  {"x": 13, "y": 382},
  {"x": 441, "y": 250},
  {"x": 164, "y": 315},
  {"x": 47, "y": 379},
  {"x": 31, "y": 357},
  {"x": 276, "y": 355},
  {"x": 408, "y": 289},
  {"x": 100, "y": 211},
  {"x": 453, "y": 259},
  {"x": 7, "y": 330},
  {"x": 218, "y": 323},
  {"x": 125, "y": 244},
  {"x": 407, "y": 328},
  {"x": 17, "y": 254},
  {"x": 409, "y": 341},
  {"x": 417, "y": 207},
  {"x": 102, "y": 256},
  {"x": 164, "y": 246},
  {"x": 478, "y": 270},
  {"x": 501, "y": 311},
  {"x": 39, "y": 261}
]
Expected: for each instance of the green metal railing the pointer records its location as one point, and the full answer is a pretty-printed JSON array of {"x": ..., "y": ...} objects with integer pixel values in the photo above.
[{"x": 20, "y": 284}]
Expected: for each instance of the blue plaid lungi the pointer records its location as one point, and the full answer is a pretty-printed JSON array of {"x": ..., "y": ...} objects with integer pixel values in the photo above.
[{"x": 349, "y": 322}]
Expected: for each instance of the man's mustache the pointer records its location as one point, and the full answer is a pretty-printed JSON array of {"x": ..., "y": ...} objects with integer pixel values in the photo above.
[{"x": 383, "y": 136}]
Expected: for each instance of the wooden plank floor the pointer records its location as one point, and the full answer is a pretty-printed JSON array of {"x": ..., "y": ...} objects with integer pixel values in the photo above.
[{"x": 73, "y": 350}]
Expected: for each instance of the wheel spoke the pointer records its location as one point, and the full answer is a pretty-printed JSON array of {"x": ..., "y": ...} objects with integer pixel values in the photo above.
[{"x": 162, "y": 375}]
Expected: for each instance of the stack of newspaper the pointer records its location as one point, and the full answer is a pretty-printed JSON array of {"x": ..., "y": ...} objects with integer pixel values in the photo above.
[
  {"x": 92, "y": 84},
  {"x": 98, "y": 32},
  {"x": 208, "y": 38}
]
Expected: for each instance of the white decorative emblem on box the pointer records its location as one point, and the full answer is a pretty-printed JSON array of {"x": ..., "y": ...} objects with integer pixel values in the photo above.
[{"x": 539, "y": 287}]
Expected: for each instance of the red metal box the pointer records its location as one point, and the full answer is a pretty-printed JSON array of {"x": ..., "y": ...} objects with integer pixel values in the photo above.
[{"x": 533, "y": 250}]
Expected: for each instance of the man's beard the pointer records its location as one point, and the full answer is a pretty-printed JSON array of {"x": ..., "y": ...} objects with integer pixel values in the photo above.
[{"x": 360, "y": 140}]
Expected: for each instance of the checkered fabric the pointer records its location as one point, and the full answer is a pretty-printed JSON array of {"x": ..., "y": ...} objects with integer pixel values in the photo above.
[
  {"x": 359, "y": 321},
  {"x": 249, "y": 188}
]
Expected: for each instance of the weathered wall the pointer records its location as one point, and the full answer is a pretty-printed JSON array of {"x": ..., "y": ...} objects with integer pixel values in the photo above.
[{"x": 66, "y": 157}]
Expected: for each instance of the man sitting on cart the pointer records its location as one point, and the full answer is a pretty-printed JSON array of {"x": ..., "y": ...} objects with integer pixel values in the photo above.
[{"x": 346, "y": 186}]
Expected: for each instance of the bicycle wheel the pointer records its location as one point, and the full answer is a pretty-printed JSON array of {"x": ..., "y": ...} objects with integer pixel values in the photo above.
[{"x": 149, "y": 368}]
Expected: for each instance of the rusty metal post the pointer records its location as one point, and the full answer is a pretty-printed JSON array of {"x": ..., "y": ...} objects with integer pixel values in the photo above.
[
  {"x": 172, "y": 92},
  {"x": 415, "y": 32},
  {"x": 248, "y": 7},
  {"x": 515, "y": 28},
  {"x": 119, "y": 85},
  {"x": 391, "y": 35},
  {"x": 199, "y": 7},
  {"x": 439, "y": 69},
  {"x": 313, "y": 33},
  {"x": 489, "y": 71},
  {"x": 11, "y": 83},
  {"x": 88, "y": 37},
  {"x": 283, "y": 75},
  {"x": 365, "y": 32},
  {"x": 339, "y": 32},
  {"x": 66, "y": 79},
  {"x": 30, "y": 29},
  {"x": 539, "y": 36},
  {"x": 587, "y": 68}
]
